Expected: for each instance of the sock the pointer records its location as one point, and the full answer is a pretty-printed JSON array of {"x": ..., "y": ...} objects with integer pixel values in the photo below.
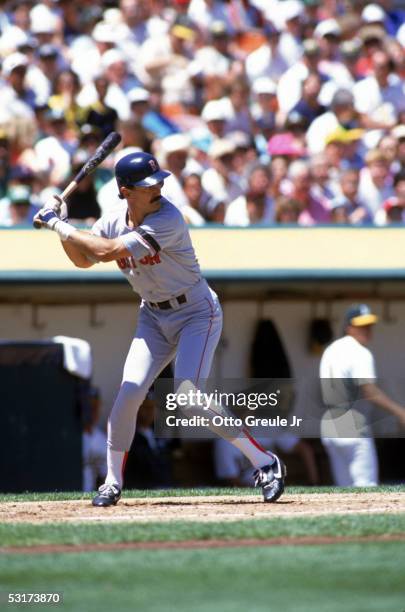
[
  {"x": 256, "y": 454},
  {"x": 115, "y": 467}
]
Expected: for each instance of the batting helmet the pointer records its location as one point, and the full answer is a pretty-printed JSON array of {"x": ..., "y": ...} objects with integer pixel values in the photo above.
[{"x": 138, "y": 170}]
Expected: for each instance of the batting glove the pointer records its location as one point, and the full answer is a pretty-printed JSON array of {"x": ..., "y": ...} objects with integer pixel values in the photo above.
[
  {"x": 59, "y": 206},
  {"x": 48, "y": 217}
]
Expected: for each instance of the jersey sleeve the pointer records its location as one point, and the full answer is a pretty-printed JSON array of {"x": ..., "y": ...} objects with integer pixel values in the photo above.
[
  {"x": 151, "y": 238},
  {"x": 363, "y": 369},
  {"x": 98, "y": 229}
]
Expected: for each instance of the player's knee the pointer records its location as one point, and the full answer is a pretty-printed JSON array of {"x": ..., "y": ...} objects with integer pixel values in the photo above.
[{"x": 132, "y": 394}]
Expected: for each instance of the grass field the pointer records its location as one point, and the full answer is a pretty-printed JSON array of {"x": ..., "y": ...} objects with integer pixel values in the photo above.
[{"x": 252, "y": 575}]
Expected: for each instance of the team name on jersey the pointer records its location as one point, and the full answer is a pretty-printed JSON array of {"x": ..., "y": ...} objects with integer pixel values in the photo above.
[{"x": 129, "y": 262}]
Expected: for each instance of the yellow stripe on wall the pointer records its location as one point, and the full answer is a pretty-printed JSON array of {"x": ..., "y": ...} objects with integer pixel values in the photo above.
[{"x": 236, "y": 249}]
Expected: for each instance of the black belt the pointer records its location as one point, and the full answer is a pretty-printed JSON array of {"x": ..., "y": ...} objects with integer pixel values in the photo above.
[{"x": 166, "y": 305}]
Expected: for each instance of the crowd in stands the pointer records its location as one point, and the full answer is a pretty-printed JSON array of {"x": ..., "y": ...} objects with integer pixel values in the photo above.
[{"x": 264, "y": 111}]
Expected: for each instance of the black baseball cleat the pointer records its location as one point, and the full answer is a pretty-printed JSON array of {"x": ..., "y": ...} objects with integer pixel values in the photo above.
[
  {"x": 108, "y": 495},
  {"x": 271, "y": 479}
]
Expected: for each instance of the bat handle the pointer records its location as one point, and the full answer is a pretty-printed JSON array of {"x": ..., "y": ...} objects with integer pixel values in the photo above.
[{"x": 65, "y": 194}]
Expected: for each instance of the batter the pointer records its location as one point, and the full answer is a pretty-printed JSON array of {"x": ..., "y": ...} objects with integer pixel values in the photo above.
[{"x": 180, "y": 315}]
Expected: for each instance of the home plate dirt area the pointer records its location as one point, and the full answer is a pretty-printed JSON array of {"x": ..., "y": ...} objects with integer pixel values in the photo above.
[{"x": 202, "y": 508}]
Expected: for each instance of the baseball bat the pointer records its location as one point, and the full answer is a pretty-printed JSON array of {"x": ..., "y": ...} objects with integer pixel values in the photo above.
[{"x": 108, "y": 145}]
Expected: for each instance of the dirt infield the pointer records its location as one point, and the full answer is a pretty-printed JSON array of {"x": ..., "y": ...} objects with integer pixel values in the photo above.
[{"x": 202, "y": 508}]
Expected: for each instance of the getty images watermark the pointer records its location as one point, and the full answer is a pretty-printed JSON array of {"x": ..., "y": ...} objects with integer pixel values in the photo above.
[
  {"x": 306, "y": 408},
  {"x": 218, "y": 402}
]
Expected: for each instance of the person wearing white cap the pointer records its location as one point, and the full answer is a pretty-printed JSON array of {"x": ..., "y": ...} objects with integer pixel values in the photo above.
[
  {"x": 103, "y": 37},
  {"x": 45, "y": 24},
  {"x": 348, "y": 383},
  {"x": 373, "y": 14},
  {"x": 215, "y": 115},
  {"x": 267, "y": 60},
  {"x": 172, "y": 152},
  {"x": 328, "y": 33},
  {"x": 220, "y": 181},
  {"x": 14, "y": 71},
  {"x": 264, "y": 108},
  {"x": 291, "y": 38}
]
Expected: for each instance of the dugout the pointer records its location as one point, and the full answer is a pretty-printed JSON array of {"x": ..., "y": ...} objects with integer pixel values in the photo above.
[
  {"x": 292, "y": 275},
  {"x": 41, "y": 422}
]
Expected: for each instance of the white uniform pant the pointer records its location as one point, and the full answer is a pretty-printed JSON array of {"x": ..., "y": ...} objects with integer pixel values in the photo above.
[
  {"x": 189, "y": 332},
  {"x": 353, "y": 461}
]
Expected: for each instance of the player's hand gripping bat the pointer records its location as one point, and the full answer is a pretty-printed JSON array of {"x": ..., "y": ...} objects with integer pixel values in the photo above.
[{"x": 108, "y": 145}]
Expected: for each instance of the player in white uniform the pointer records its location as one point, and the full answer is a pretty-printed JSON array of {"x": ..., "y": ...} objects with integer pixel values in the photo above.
[
  {"x": 180, "y": 316},
  {"x": 347, "y": 374}
]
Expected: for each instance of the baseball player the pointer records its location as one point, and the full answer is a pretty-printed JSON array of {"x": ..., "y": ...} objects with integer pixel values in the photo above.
[
  {"x": 180, "y": 315},
  {"x": 348, "y": 375}
]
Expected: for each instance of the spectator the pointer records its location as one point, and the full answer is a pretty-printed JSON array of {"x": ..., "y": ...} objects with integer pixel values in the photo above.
[
  {"x": 220, "y": 180},
  {"x": 388, "y": 145},
  {"x": 239, "y": 112},
  {"x": 40, "y": 78},
  {"x": 279, "y": 169},
  {"x": 4, "y": 162},
  {"x": 309, "y": 105},
  {"x": 82, "y": 205},
  {"x": 379, "y": 98},
  {"x": 17, "y": 207},
  {"x": 394, "y": 208},
  {"x": 173, "y": 153},
  {"x": 348, "y": 197},
  {"x": 399, "y": 133},
  {"x": 200, "y": 203},
  {"x": 267, "y": 61},
  {"x": 313, "y": 210},
  {"x": 164, "y": 61},
  {"x": 373, "y": 38},
  {"x": 328, "y": 33},
  {"x": 322, "y": 184},
  {"x": 143, "y": 111},
  {"x": 289, "y": 88},
  {"x": 264, "y": 111},
  {"x": 245, "y": 152},
  {"x": 64, "y": 98},
  {"x": 216, "y": 57},
  {"x": 341, "y": 148},
  {"x": 341, "y": 114},
  {"x": 14, "y": 70},
  {"x": 286, "y": 210},
  {"x": 257, "y": 206},
  {"x": 99, "y": 114},
  {"x": 53, "y": 152},
  {"x": 291, "y": 46},
  {"x": 216, "y": 114},
  {"x": 306, "y": 72},
  {"x": 375, "y": 181}
]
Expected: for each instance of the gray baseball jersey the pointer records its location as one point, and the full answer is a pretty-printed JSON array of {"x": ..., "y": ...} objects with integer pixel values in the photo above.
[{"x": 163, "y": 264}]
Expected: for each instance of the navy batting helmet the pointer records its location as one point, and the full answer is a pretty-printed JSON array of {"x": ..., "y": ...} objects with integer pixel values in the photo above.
[{"x": 138, "y": 170}]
